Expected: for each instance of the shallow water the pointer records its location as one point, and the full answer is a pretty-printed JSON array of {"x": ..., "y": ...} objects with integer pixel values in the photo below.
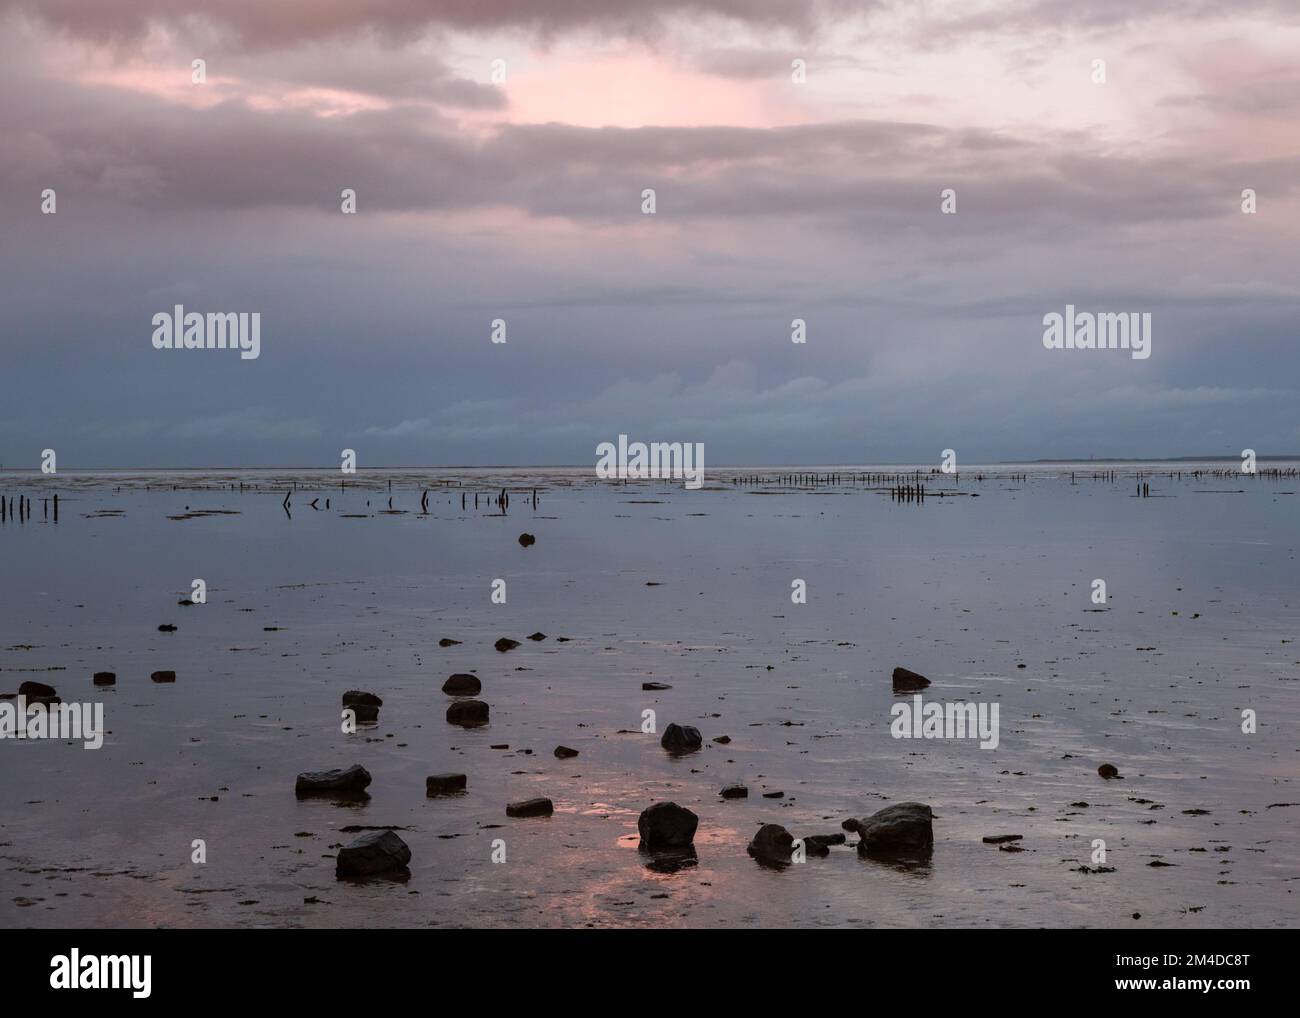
[{"x": 1201, "y": 623}]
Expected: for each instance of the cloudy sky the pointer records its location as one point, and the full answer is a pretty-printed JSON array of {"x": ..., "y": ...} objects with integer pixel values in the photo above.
[{"x": 521, "y": 200}]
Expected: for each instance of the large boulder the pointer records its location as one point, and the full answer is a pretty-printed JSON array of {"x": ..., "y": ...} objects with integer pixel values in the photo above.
[
  {"x": 908, "y": 681},
  {"x": 902, "y": 829},
  {"x": 462, "y": 684},
  {"x": 376, "y": 853},
  {"x": 468, "y": 713},
  {"x": 667, "y": 825},
  {"x": 772, "y": 845},
  {"x": 352, "y": 780},
  {"x": 681, "y": 739}
]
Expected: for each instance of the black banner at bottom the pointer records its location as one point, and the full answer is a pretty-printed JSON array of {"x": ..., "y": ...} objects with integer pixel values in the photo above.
[{"x": 339, "y": 967}]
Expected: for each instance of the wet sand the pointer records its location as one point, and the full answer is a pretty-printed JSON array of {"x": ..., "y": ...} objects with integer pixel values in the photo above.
[{"x": 648, "y": 582}]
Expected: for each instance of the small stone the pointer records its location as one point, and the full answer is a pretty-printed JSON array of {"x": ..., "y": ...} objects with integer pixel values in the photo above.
[
  {"x": 447, "y": 642},
  {"x": 537, "y": 637},
  {"x": 735, "y": 792},
  {"x": 998, "y": 839},
  {"x": 530, "y": 808},
  {"x": 462, "y": 684},
  {"x": 373, "y": 854},
  {"x": 468, "y": 713},
  {"x": 444, "y": 784},
  {"x": 355, "y": 697},
  {"x": 1108, "y": 771},
  {"x": 654, "y": 687},
  {"x": 167, "y": 676},
  {"x": 505, "y": 643},
  {"x": 105, "y": 679},
  {"x": 166, "y": 628},
  {"x": 37, "y": 691},
  {"x": 565, "y": 753},
  {"x": 527, "y": 540}
]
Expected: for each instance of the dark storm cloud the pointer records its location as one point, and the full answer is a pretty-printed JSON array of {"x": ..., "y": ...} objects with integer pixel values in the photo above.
[{"x": 282, "y": 22}]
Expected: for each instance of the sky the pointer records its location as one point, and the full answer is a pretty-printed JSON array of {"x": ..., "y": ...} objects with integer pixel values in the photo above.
[{"x": 1116, "y": 187}]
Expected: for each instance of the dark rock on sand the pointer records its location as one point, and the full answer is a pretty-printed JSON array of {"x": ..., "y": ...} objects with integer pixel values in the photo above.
[
  {"x": 735, "y": 792},
  {"x": 1108, "y": 771},
  {"x": 105, "y": 679},
  {"x": 166, "y": 628},
  {"x": 444, "y": 784},
  {"x": 356, "y": 697},
  {"x": 907, "y": 681},
  {"x": 446, "y": 642},
  {"x": 527, "y": 539},
  {"x": 468, "y": 713},
  {"x": 654, "y": 687},
  {"x": 667, "y": 825},
  {"x": 375, "y": 854},
  {"x": 821, "y": 841},
  {"x": 899, "y": 829},
  {"x": 537, "y": 637},
  {"x": 681, "y": 739},
  {"x": 530, "y": 808},
  {"x": 37, "y": 691},
  {"x": 505, "y": 643},
  {"x": 565, "y": 753},
  {"x": 462, "y": 684},
  {"x": 352, "y": 780},
  {"x": 998, "y": 839},
  {"x": 772, "y": 845},
  {"x": 165, "y": 676}
]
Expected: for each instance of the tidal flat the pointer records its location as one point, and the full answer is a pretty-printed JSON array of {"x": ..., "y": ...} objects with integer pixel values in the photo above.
[{"x": 985, "y": 587}]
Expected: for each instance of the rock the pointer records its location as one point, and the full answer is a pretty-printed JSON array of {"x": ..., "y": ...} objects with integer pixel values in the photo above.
[
  {"x": 654, "y": 687},
  {"x": 505, "y": 643},
  {"x": 37, "y": 691},
  {"x": 723, "y": 740},
  {"x": 468, "y": 713},
  {"x": 565, "y": 753},
  {"x": 444, "y": 784},
  {"x": 772, "y": 844},
  {"x": 373, "y": 854},
  {"x": 167, "y": 676},
  {"x": 355, "y": 697},
  {"x": 773, "y": 795},
  {"x": 166, "y": 628},
  {"x": 905, "y": 827},
  {"x": 1108, "y": 771},
  {"x": 907, "y": 681},
  {"x": 735, "y": 792},
  {"x": 998, "y": 839},
  {"x": 681, "y": 739},
  {"x": 462, "y": 684},
  {"x": 530, "y": 808},
  {"x": 667, "y": 825},
  {"x": 527, "y": 540},
  {"x": 105, "y": 679},
  {"x": 822, "y": 841},
  {"x": 446, "y": 642},
  {"x": 354, "y": 779},
  {"x": 537, "y": 637}
]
